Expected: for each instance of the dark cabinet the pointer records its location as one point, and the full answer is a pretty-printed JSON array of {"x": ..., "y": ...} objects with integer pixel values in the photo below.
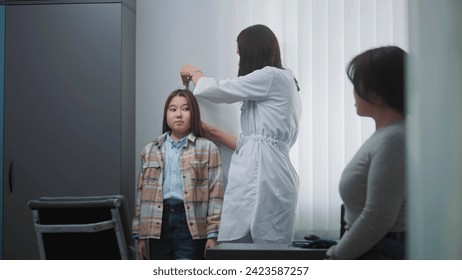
[{"x": 69, "y": 107}]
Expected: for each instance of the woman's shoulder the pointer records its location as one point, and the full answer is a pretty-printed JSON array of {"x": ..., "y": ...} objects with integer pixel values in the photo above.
[
  {"x": 396, "y": 130},
  {"x": 272, "y": 75},
  {"x": 389, "y": 138},
  {"x": 271, "y": 70}
]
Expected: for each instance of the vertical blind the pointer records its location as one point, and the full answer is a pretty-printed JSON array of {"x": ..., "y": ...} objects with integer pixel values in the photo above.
[{"x": 318, "y": 38}]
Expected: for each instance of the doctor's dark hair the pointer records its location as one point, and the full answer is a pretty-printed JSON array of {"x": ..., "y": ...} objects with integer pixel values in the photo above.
[
  {"x": 258, "y": 47},
  {"x": 195, "y": 119},
  {"x": 380, "y": 71}
]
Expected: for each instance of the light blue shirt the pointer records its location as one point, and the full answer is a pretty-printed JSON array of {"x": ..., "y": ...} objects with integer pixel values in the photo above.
[{"x": 172, "y": 187}]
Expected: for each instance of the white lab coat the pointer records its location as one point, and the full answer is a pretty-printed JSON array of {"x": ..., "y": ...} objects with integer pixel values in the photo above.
[{"x": 262, "y": 191}]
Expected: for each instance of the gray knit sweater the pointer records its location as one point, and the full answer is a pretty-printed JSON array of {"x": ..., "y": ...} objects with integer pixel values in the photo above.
[{"x": 372, "y": 188}]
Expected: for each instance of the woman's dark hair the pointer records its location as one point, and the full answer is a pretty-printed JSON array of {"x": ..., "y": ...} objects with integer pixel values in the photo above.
[
  {"x": 258, "y": 47},
  {"x": 380, "y": 71},
  {"x": 195, "y": 120}
]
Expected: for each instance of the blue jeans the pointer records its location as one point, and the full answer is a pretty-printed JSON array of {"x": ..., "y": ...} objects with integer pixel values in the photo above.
[
  {"x": 175, "y": 240},
  {"x": 389, "y": 248}
]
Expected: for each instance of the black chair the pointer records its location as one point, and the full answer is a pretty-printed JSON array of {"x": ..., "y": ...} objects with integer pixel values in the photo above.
[
  {"x": 83, "y": 228},
  {"x": 342, "y": 220}
]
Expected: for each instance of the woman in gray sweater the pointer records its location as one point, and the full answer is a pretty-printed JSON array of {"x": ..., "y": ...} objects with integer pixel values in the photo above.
[{"x": 372, "y": 185}]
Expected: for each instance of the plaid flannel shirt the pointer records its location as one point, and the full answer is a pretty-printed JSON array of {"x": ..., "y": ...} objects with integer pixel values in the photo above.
[{"x": 200, "y": 168}]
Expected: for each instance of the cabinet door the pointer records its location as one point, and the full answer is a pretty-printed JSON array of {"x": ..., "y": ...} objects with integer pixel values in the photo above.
[{"x": 62, "y": 110}]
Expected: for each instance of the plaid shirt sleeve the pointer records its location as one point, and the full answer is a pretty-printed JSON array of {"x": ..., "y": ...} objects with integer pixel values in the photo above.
[
  {"x": 136, "y": 219},
  {"x": 216, "y": 191}
]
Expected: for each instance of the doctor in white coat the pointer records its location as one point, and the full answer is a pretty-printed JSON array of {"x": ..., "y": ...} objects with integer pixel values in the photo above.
[{"x": 262, "y": 191}]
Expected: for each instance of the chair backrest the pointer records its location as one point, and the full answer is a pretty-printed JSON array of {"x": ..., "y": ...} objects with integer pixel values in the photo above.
[
  {"x": 342, "y": 220},
  {"x": 83, "y": 228}
]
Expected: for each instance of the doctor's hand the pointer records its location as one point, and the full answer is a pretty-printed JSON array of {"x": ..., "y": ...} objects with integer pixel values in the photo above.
[
  {"x": 214, "y": 134},
  {"x": 192, "y": 71},
  {"x": 207, "y": 130}
]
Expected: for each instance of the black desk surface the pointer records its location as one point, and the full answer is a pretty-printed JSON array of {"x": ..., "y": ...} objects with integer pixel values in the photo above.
[{"x": 250, "y": 251}]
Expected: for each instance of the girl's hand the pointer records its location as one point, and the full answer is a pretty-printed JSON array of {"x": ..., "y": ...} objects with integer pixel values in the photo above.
[
  {"x": 143, "y": 249},
  {"x": 211, "y": 242}
]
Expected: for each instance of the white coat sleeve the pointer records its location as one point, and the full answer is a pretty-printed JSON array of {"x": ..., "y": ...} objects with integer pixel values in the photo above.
[{"x": 254, "y": 86}]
